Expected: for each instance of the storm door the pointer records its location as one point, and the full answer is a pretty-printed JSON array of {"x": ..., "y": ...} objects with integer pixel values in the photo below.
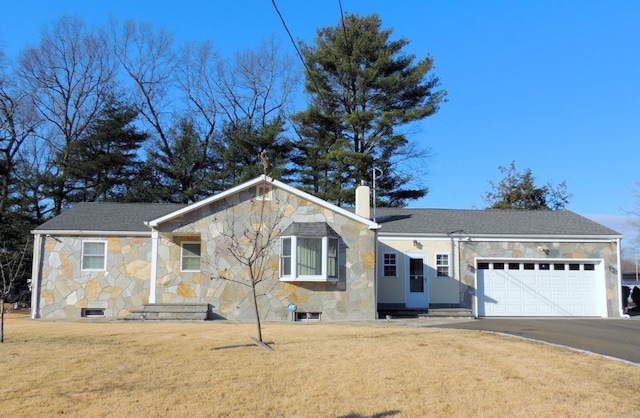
[{"x": 417, "y": 287}]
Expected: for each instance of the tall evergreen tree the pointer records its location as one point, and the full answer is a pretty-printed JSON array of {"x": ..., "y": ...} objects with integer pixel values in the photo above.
[
  {"x": 184, "y": 171},
  {"x": 105, "y": 163},
  {"x": 242, "y": 145},
  {"x": 362, "y": 88}
]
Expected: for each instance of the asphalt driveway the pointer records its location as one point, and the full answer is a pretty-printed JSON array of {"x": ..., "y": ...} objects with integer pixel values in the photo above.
[{"x": 619, "y": 338}]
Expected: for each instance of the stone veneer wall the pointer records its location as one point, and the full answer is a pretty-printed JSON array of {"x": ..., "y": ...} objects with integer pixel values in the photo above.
[
  {"x": 605, "y": 251},
  {"x": 351, "y": 298},
  {"x": 66, "y": 289}
]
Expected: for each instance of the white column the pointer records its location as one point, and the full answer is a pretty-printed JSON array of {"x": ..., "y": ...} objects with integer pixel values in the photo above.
[
  {"x": 154, "y": 266},
  {"x": 36, "y": 273}
]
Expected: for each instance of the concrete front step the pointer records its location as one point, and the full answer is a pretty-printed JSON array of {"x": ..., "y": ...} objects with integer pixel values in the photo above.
[
  {"x": 172, "y": 311},
  {"x": 448, "y": 313}
]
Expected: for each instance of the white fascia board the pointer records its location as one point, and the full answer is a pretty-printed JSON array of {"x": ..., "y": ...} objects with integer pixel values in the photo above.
[
  {"x": 495, "y": 238},
  {"x": 55, "y": 232},
  {"x": 252, "y": 183}
]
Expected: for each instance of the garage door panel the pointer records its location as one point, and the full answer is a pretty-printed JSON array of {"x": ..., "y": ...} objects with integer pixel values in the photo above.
[{"x": 538, "y": 292}]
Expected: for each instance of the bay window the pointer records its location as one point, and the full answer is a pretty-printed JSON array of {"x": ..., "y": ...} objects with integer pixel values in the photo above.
[{"x": 309, "y": 252}]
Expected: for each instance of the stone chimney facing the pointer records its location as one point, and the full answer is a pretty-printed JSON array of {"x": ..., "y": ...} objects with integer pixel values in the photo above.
[{"x": 363, "y": 200}]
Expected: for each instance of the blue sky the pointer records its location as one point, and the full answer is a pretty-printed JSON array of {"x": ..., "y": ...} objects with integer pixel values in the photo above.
[{"x": 551, "y": 84}]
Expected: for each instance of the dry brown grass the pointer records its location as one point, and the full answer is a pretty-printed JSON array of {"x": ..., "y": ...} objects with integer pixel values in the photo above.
[{"x": 317, "y": 370}]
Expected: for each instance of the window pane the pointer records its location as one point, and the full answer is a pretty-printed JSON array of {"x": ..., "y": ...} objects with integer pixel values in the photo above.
[
  {"x": 332, "y": 258},
  {"x": 94, "y": 248},
  {"x": 309, "y": 254},
  {"x": 190, "y": 263},
  {"x": 93, "y": 257},
  {"x": 442, "y": 263},
  {"x": 285, "y": 257},
  {"x": 389, "y": 269},
  {"x": 91, "y": 262},
  {"x": 191, "y": 250},
  {"x": 191, "y": 256}
]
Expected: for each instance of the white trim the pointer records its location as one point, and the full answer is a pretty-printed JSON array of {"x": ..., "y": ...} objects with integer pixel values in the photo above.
[
  {"x": 293, "y": 259},
  {"x": 599, "y": 271},
  {"x": 619, "y": 261},
  {"x": 104, "y": 255},
  {"x": 154, "y": 267},
  {"x": 448, "y": 265},
  {"x": 36, "y": 275},
  {"x": 424, "y": 303},
  {"x": 497, "y": 238},
  {"x": 252, "y": 183},
  {"x": 267, "y": 192},
  {"x": 182, "y": 243},
  {"x": 69, "y": 232},
  {"x": 395, "y": 264}
]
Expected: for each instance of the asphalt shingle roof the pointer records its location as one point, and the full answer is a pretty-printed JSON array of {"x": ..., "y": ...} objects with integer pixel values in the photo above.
[
  {"x": 487, "y": 222},
  {"x": 131, "y": 217},
  {"x": 117, "y": 217}
]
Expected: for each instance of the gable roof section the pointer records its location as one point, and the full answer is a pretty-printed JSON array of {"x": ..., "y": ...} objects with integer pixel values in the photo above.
[
  {"x": 253, "y": 183},
  {"x": 489, "y": 222},
  {"x": 107, "y": 217}
]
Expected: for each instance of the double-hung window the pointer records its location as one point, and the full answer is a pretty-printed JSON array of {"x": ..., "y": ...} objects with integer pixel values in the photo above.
[
  {"x": 309, "y": 252},
  {"x": 442, "y": 265},
  {"x": 94, "y": 255},
  {"x": 190, "y": 260},
  {"x": 390, "y": 265}
]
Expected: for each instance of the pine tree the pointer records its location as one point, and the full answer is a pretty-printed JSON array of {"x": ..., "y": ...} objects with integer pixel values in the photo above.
[{"x": 362, "y": 88}]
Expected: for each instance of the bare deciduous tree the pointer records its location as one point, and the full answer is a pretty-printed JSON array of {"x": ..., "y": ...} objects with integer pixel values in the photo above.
[
  {"x": 148, "y": 58},
  {"x": 12, "y": 271},
  {"x": 68, "y": 77},
  {"x": 257, "y": 85},
  {"x": 250, "y": 241}
]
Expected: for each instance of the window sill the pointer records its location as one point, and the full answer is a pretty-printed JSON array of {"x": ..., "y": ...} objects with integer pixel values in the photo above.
[{"x": 310, "y": 279}]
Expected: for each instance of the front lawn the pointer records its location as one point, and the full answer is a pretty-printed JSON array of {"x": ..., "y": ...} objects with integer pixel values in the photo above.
[{"x": 156, "y": 369}]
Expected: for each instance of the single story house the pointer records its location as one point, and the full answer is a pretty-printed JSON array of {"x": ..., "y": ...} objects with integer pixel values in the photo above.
[{"x": 312, "y": 259}]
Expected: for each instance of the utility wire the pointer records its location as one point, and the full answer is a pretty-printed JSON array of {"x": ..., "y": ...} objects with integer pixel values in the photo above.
[{"x": 295, "y": 46}]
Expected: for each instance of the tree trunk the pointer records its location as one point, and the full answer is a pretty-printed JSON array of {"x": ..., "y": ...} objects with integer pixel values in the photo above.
[
  {"x": 1, "y": 320},
  {"x": 255, "y": 306}
]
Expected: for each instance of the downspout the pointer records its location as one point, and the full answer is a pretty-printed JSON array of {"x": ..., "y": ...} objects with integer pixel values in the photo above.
[
  {"x": 36, "y": 275},
  {"x": 154, "y": 266},
  {"x": 375, "y": 272}
]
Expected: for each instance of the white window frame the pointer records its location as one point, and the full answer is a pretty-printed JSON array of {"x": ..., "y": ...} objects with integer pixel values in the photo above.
[
  {"x": 104, "y": 255},
  {"x": 384, "y": 263},
  {"x": 439, "y": 265},
  {"x": 292, "y": 259},
  {"x": 182, "y": 256},
  {"x": 263, "y": 192}
]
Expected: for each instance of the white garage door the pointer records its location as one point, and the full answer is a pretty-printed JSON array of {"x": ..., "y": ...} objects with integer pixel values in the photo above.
[{"x": 517, "y": 288}]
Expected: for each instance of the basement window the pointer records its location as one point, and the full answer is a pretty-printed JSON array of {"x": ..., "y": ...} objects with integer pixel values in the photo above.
[
  {"x": 308, "y": 316},
  {"x": 92, "y": 313}
]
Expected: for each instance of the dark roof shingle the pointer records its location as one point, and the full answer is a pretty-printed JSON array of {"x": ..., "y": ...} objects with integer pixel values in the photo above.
[
  {"x": 487, "y": 222},
  {"x": 116, "y": 217}
]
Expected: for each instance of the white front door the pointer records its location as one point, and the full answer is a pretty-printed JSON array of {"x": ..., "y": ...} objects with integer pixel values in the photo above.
[{"x": 417, "y": 288}]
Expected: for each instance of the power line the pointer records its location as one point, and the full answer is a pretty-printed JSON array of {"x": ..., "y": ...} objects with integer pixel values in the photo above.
[{"x": 275, "y": 6}]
